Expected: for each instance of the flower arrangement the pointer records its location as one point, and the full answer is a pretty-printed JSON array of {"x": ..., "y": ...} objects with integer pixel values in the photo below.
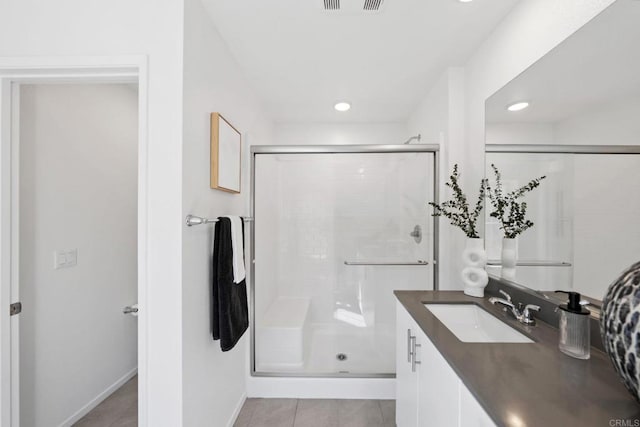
[
  {"x": 457, "y": 209},
  {"x": 506, "y": 208}
]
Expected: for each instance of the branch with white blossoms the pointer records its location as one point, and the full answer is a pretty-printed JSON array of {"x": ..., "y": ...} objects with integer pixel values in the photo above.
[{"x": 457, "y": 209}]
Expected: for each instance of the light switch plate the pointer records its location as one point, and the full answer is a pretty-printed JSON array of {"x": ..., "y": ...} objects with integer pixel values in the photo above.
[
  {"x": 59, "y": 259},
  {"x": 72, "y": 258},
  {"x": 65, "y": 258}
]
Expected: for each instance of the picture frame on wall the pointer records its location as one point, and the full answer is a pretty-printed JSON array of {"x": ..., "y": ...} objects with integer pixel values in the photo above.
[{"x": 226, "y": 150}]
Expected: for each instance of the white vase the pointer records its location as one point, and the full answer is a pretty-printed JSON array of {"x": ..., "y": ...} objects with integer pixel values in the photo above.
[
  {"x": 509, "y": 258},
  {"x": 474, "y": 276}
]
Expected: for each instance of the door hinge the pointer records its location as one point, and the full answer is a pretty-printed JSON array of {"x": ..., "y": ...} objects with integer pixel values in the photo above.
[{"x": 15, "y": 308}]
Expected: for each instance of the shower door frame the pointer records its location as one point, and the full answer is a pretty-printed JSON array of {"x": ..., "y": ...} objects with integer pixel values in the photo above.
[{"x": 332, "y": 149}]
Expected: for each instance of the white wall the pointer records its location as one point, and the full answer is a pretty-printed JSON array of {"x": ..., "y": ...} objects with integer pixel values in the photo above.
[
  {"x": 78, "y": 189},
  {"x": 439, "y": 118},
  {"x": 45, "y": 29},
  {"x": 213, "y": 381},
  {"x": 613, "y": 124},
  {"x": 520, "y": 133},
  {"x": 340, "y": 133}
]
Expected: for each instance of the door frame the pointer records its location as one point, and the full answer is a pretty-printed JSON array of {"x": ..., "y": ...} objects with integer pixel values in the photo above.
[{"x": 78, "y": 70}]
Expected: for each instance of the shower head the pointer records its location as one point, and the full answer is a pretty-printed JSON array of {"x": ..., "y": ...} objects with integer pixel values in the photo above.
[{"x": 418, "y": 137}]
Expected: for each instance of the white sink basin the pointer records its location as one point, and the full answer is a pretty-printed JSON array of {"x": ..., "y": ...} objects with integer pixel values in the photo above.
[{"x": 471, "y": 323}]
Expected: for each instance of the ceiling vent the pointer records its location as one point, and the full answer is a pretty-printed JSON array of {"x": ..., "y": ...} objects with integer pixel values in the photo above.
[
  {"x": 372, "y": 5},
  {"x": 352, "y": 7},
  {"x": 331, "y": 4}
]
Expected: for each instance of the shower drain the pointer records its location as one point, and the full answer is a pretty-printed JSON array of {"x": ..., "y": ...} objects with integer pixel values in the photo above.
[{"x": 341, "y": 357}]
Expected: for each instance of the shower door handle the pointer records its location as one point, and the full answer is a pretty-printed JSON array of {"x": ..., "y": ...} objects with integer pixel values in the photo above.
[{"x": 409, "y": 353}]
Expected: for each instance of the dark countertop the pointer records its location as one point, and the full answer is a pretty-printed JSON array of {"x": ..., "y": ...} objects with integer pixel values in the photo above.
[{"x": 531, "y": 384}]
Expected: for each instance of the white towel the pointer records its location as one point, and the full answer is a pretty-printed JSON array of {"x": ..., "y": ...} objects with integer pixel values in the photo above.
[{"x": 238, "y": 248}]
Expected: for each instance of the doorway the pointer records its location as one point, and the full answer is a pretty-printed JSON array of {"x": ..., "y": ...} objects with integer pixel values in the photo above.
[
  {"x": 127, "y": 74},
  {"x": 76, "y": 169}
]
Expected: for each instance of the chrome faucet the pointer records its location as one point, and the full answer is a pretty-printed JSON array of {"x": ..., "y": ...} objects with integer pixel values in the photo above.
[{"x": 522, "y": 315}]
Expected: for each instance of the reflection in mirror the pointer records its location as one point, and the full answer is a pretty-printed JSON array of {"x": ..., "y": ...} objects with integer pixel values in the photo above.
[
  {"x": 586, "y": 214},
  {"x": 581, "y": 130}
]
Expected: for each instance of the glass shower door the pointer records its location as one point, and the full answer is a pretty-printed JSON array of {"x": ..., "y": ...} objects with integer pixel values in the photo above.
[{"x": 335, "y": 234}]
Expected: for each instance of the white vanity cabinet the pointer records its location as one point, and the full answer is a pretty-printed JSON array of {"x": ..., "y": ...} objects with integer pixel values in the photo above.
[
  {"x": 428, "y": 391},
  {"x": 406, "y": 379},
  {"x": 471, "y": 413}
]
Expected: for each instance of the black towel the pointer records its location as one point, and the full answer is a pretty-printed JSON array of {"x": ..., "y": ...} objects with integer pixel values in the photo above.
[{"x": 229, "y": 312}]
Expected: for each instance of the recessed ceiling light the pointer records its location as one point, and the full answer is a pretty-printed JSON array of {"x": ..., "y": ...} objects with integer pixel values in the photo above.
[
  {"x": 342, "y": 106},
  {"x": 517, "y": 106},
  {"x": 465, "y": 1}
]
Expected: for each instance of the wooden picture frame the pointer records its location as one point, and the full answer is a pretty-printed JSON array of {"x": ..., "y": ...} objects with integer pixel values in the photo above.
[{"x": 226, "y": 151}]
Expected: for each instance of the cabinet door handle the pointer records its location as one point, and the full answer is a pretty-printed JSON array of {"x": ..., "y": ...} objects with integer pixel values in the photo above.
[
  {"x": 409, "y": 353},
  {"x": 414, "y": 362}
]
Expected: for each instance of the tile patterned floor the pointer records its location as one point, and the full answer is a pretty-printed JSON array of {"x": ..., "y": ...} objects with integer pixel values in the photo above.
[
  {"x": 118, "y": 410},
  {"x": 317, "y": 413},
  {"x": 121, "y": 410}
]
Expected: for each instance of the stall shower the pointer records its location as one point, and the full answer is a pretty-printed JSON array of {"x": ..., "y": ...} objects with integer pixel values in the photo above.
[{"x": 337, "y": 229}]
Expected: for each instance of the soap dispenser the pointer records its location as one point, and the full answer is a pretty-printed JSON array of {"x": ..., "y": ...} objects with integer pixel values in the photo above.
[{"x": 575, "y": 337}]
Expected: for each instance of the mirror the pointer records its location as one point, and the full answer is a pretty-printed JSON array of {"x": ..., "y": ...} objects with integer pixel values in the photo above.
[
  {"x": 582, "y": 130},
  {"x": 226, "y": 143}
]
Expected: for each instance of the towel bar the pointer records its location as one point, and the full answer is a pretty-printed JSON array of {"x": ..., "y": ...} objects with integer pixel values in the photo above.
[
  {"x": 419, "y": 262},
  {"x": 498, "y": 263},
  {"x": 192, "y": 220}
]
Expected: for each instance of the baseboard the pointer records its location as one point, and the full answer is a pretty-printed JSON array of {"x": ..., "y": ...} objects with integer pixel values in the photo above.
[
  {"x": 98, "y": 399},
  {"x": 321, "y": 388},
  {"x": 236, "y": 411}
]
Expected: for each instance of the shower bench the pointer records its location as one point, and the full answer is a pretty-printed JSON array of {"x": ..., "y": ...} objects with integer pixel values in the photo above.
[{"x": 282, "y": 335}]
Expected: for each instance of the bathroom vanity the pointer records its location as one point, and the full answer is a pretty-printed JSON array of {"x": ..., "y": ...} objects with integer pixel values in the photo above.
[{"x": 458, "y": 379}]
